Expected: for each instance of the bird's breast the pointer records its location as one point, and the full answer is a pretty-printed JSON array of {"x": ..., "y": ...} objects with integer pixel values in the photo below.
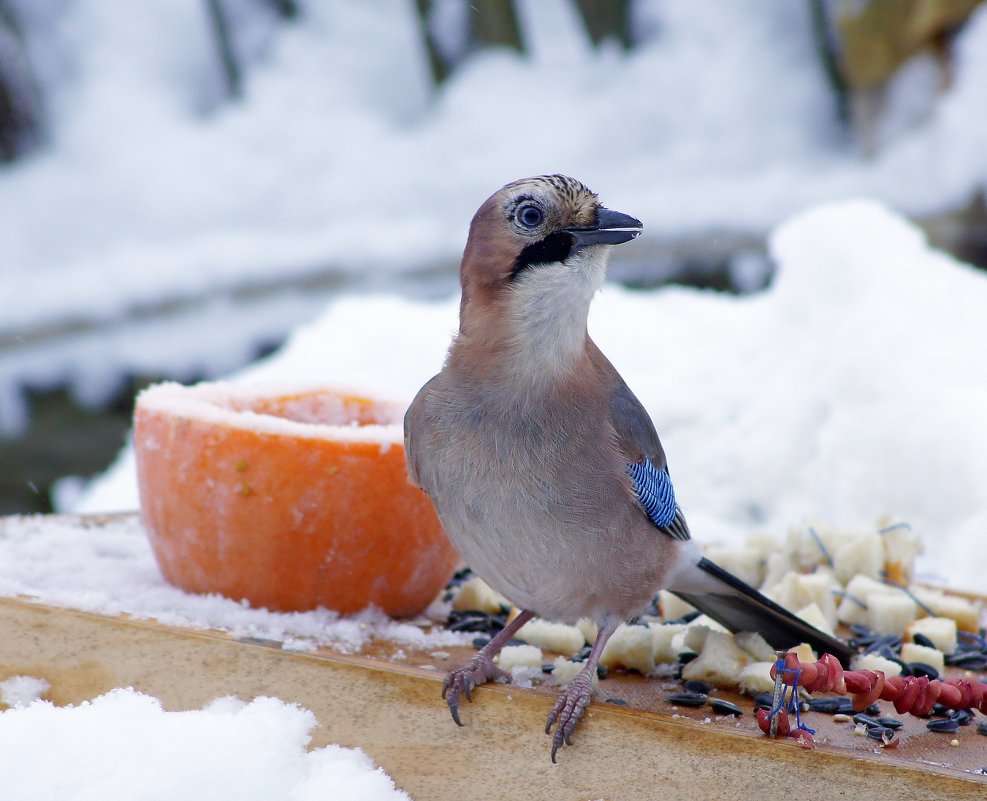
[{"x": 534, "y": 501}]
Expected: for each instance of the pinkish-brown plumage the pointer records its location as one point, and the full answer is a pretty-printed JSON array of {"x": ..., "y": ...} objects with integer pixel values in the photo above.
[{"x": 527, "y": 441}]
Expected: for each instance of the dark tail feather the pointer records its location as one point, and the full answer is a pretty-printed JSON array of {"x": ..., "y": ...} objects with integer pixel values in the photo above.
[{"x": 740, "y": 607}]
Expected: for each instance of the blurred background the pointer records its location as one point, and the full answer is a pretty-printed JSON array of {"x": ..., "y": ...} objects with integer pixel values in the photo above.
[{"x": 182, "y": 182}]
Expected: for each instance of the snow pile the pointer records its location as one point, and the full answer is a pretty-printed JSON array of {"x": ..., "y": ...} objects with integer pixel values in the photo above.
[
  {"x": 854, "y": 387},
  {"x": 22, "y": 690},
  {"x": 124, "y": 745},
  {"x": 153, "y": 189},
  {"x": 110, "y": 570}
]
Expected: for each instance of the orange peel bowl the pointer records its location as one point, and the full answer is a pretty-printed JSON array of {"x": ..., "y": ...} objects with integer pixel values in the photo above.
[{"x": 287, "y": 499}]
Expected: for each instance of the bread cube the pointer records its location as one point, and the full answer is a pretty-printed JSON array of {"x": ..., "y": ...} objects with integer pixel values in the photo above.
[
  {"x": 673, "y": 607},
  {"x": 798, "y": 590},
  {"x": 902, "y": 546},
  {"x": 875, "y": 662},
  {"x": 631, "y": 647},
  {"x": 662, "y": 635},
  {"x": 940, "y": 630},
  {"x": 910, "y": 652},
  {"x": 964, "y": 612},
  {"x": 693, "y": 635},
  {"x": 764, "y": 544},
  {"x": 515, "y": 656},
  {"x": 779, "y": 564},
  {"x": 719, "y": 663},
  {"x": 813, "y": 615},
  {"x": 804, "y": 652},
  {"x": 588, "y": 628},
  {"x": 861, "y": 554},
  {"x": 557, "y": 637},
  {"x": 890, "y": 613},
  {"x": 746, "y": 564},
  {"x": 565, "y": 671},
  {"x": 754, "y": 645},
  {"x": 476, "y": 594},
  {"x": 696, "y": 632},
  {"x": 853, "y": 606},
  {"x": 756, "y": 678},
  {"x": 815, "y": 544}
]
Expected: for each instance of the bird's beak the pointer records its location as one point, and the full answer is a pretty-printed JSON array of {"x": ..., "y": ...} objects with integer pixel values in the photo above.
[{"x": 612, "y": 228}]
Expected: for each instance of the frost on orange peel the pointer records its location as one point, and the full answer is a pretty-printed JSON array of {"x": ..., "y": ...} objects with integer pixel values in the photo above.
[{"x": 290, "y": 500}]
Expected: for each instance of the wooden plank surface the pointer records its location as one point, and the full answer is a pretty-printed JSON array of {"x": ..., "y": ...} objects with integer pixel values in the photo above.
[{"x": 393, "y": 712}]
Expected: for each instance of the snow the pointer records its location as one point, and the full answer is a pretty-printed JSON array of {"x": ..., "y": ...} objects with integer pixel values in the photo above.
[
  {"x": 851, "y": 389},
  {"x": 124, "y": 745},
  {"x": 340, "y": 158},
  {"x": 304, "y": 411},
  {"x": 110, "y": 570},
  {"x": 22, "y": 690}
]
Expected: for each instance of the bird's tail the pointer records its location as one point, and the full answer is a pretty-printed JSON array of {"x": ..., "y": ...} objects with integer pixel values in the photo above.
[{"x": 738, "y": 606}]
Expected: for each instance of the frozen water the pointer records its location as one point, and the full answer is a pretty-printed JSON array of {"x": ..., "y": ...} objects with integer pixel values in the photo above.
[{"x": 124, "y": 745}]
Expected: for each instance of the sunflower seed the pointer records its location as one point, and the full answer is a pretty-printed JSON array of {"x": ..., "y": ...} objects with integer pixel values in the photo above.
[
  {"x": 880, "y": 733},
  {"x": 922, "y": 669},
  {"x": 721, "y": 707},
  {"x": 828, "y": 705},
  {"x": 687, "y": 699},
  {"x": 971, "y": 660}
]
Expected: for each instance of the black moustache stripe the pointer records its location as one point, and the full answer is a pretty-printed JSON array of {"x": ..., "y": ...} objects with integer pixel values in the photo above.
[{"x": 553, "y": 248}]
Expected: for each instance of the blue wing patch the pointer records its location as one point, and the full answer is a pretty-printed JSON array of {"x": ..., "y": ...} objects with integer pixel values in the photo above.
[{"x": 654, "y": 491}]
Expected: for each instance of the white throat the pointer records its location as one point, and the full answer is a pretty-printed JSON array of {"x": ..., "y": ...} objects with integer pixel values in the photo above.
[{"x": 548, "y": 310}]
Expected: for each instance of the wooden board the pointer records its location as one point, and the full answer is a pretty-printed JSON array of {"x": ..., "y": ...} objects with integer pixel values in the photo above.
[{"x": 394, "y": 713}]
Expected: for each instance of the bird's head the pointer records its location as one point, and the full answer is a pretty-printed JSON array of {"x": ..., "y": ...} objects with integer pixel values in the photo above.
[
  {"x": 536, "y": 223},
  {"x": 537, "y": 252}
]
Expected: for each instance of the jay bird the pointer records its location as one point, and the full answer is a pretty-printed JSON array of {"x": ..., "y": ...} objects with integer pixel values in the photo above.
[{"x": 544, "y": 468}]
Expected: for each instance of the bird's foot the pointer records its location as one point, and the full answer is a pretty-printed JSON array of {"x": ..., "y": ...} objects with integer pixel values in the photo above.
[
  {"x": 569, "y": 709},
  {"x": 461, "y": 681}
]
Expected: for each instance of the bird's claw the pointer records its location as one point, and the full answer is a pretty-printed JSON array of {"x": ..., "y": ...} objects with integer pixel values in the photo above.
[
  {"x": 568, "y": 711},
  {"x": 461, "y": 681}
]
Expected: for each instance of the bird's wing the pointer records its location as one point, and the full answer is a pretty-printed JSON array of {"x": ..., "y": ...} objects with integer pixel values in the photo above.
[
  {"x": 704, "y": 584},
  {"x": 413, "y": 423},
  {"x": 638, "y": 441},
  {"x": 653, "y": 490}
]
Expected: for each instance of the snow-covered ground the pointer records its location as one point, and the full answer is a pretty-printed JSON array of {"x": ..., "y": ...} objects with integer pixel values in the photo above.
[
  {"x": 853, "y": 388},
  {"x": 111, "y": 571},
  {"x": 124, "y": 745},
  {"x": 341, "y": 157}
]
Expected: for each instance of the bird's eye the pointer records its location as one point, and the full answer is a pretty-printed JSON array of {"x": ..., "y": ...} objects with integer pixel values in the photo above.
[{"x": 530, "y": 216}]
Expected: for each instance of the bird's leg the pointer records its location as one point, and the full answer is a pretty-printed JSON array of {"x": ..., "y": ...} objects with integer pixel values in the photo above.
[
  {"x": 574, "y": 699},
  {"x": 480, "y": 668}
]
